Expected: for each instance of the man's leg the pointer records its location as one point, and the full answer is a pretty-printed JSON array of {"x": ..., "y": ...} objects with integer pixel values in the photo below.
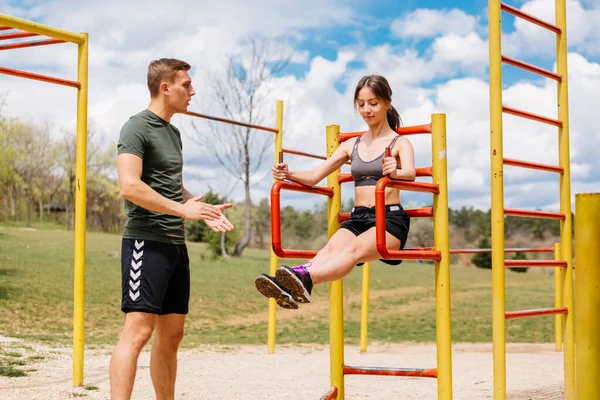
[
  {"x": 137, "y": 330},
  {"x": 163, "y": 362}
]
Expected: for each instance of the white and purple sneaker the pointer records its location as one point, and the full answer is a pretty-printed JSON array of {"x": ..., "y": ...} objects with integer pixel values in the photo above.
[
  {"x": 268, "y": 286},
  {"x": 296, "y": 281}
]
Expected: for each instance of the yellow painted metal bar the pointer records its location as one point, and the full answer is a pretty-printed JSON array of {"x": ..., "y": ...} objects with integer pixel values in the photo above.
[
  {"x": 272, "y": 324},
  {"x": 80, "y": 216},
  {"x": 441, "y": 243},
  {"x": 559, "y": 278},
  {"x": 587, "y": 253},
  {"x": 41, "y": 29},
  {"x": 566, "y": 236},
  {"x": 497, "y": 180},
  {"x": 336, "y": 291},
  {"x": 364, "y": 312}
]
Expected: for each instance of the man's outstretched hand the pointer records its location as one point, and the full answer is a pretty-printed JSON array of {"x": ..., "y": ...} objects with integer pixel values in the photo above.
[{"x": 212, "y": 215}]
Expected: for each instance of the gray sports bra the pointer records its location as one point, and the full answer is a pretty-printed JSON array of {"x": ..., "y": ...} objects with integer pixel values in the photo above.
[{"x": 367, "y": 173}]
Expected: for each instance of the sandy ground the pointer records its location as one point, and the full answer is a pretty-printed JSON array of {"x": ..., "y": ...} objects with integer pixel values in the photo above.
[{"x": 248, "y": 372}]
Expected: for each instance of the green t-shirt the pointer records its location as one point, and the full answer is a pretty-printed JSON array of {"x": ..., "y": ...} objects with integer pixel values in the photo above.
[{"x": 158, "y": 144}]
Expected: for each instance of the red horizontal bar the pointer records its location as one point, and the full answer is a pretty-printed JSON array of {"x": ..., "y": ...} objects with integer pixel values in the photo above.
[
  {"x": 296, "y": 187},
  {"x": 36, "y": 43},
  {"x": 425, "y": 171},
  {"x": 406, "y": 185},
  {"x": 382, "y": 371},
  {"x": 5, "y": 28},
  {"x": 506, "y": 250},
  {"x": 536, "y": 312},
  {"x": 343, "y": 178},
  {"x": 532, "y": 68},
  {"x": 403, "y": 130},
  {"x": 530, "y": 18},
  {"x": 532, "y": 165},
  {"x": 534, "y": 214},
  {"x": 534, "y": 263},
  {"x": 17, "y": 35},
  {"x": 331, "y": 394},
  {"x": 38, "y": 77},
  {"x": 534, "y": 117},
  {"x": 232, "y": 122}
]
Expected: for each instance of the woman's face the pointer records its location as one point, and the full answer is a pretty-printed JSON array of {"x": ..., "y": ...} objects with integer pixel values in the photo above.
[{"x": 372, "y": 109}]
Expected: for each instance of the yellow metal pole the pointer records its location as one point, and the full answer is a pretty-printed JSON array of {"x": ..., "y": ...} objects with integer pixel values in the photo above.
[
  {"x": 442, "y": 268},
  {"x": 497, "y": 181},
  {"x": 41, "y": 29},
  {"x": 587, "y": 253},
  {"x": 80, "y": 221},
  {"x": 364, "y": 312},
  {"x": 336, "y": 290},
  {"x": 559, "y": 277},
  {"x": 566, "y": 239},
  {"x": 271, "y": 329}
]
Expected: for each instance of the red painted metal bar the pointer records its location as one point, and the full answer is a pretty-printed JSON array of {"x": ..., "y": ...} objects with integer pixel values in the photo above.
[
  {"x": 332, "y": 394},
  {"x": 534, "y": 214},
  {"x": 5, "y": 28},
  {"x": 232, "y": 122},
  {"x": 531, "y": 68},
  {"x": 529, "y": 18},
  {"x": 276, "y": 216},
  {"x": 506, "y": 250},
  {"x": 299, "y": 153},
  {"x": 532, "y": 165},
  {"x": 412, "y": 213},
  {"x": 36, "y": 43},
  {"x": 403, "y": 130},
  {"x": 38, "y": 77},
  {"x": 382, "y": 371},
  {"x": 343, "y": 178},
  {"x": 535, "y": 313},
  {"x": 534, "y": 263},
  {"x": 380, "y": 220},
  {"x": 17, "y": 35},
  {"x": 534, "y": 117}
]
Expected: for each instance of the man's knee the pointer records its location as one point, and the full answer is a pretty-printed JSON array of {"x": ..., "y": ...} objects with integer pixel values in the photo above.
[
  {"x": 169, "y": 339},
  {"x": 138, "y": 329}
]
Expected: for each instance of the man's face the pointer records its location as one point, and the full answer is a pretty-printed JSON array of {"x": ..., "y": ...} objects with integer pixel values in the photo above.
[{"x": 180, "y": 91}]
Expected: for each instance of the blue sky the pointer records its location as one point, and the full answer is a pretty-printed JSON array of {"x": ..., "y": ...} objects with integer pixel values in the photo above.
[{"x": 434, "y": 53}]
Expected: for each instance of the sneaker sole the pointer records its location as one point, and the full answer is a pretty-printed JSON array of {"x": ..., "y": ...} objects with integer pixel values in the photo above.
[
  {"x": 294, "y": 285},
  {"x": 269, "y": 289}
]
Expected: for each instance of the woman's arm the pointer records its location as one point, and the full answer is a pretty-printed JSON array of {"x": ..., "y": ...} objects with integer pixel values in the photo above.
[
  {"x": 406, "y": 155},
  {"x": 314, "y": 176}
]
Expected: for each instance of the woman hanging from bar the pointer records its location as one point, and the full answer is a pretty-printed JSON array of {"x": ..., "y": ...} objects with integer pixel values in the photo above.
[{"x": 355, "y": 242}]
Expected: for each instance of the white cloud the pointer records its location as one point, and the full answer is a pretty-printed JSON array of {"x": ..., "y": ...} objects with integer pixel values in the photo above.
[
  {"x": 583, "y": 29},
  {"x": 205, "y": 33},
  {"x": 427, "y": 23}
]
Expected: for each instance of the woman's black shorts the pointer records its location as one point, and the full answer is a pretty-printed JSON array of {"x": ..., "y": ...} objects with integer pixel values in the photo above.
[{"x": 397, "y": 223}]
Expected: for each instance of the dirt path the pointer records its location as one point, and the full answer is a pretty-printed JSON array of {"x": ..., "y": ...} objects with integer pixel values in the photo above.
[{"x": 299, "y": 372}]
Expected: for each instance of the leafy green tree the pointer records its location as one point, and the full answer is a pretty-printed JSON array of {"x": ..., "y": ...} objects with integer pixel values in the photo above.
[{"x": 483, "y": 260}]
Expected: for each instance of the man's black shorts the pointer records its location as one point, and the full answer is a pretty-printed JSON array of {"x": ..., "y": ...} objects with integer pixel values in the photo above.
[
  {"x": 155, "y": 277},
  {"x": 397, "y": 223}
]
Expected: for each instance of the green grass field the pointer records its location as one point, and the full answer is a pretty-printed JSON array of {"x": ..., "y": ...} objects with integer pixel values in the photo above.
[{"x": 36, "y": 292}]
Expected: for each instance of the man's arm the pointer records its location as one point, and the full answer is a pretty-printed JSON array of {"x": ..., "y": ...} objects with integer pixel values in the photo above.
[
  {"x": 129, "y": 167},
  {"x": 186, "y": 194}
]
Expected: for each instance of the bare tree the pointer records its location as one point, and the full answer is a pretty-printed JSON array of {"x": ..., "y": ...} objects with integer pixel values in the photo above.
[{"x": 241, "y": 95}]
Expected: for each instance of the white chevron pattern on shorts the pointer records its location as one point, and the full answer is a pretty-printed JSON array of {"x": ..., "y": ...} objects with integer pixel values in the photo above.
[{"x": 135, "y": 272}]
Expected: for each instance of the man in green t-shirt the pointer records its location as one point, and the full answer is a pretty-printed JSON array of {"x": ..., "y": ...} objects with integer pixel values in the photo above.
[{"x": 154, "y": 259}]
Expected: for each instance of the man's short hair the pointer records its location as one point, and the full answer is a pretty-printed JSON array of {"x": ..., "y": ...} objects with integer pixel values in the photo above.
[{"x": 164, "y": 69}]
